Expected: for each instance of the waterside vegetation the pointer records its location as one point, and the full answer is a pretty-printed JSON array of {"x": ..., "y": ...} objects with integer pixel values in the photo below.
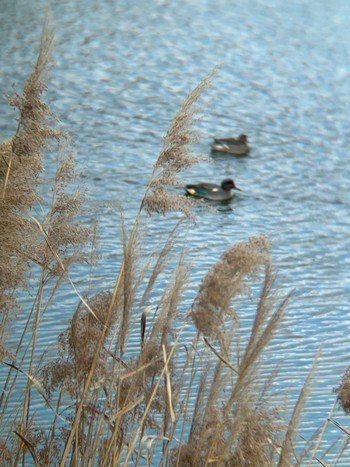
[{"x": 172, "y": 401}]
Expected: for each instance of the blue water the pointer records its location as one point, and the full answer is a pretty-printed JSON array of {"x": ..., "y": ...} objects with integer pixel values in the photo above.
[{"x": 122, "y": 70}]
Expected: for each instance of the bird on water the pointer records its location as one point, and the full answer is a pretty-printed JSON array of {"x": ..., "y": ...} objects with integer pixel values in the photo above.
[
  {"x": 236, "y": 146},
  {"x": 213, "y": 191}
]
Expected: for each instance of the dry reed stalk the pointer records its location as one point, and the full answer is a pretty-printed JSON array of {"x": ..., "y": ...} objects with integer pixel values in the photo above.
[
  {"x": 132, "y": 276},
  {"x": 156, "y": 343},
  {"x": 162, "y": 258},
  {"x": 151, "y": 398},
  {"x": 287, "y": 446}
]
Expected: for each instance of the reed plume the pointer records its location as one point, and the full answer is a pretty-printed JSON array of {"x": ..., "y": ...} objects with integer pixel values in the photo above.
[
  {"x": 176, "y": 156},
  {"x": 20, "y": 167},
  {"x": 343, "y": 392},
  {"x": 234, "y": 423},
  {"x": 226, "y": 279},
  {"x": 78, "y": 346}
]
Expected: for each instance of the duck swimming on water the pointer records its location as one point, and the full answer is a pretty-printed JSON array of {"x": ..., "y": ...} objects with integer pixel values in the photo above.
[
  {"x": 237, "y": 146},
  {"x": 213, "y": 191}
]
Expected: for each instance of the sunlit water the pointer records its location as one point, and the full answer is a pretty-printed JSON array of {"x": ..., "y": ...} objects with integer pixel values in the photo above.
[{"x": 122, "y": 70}]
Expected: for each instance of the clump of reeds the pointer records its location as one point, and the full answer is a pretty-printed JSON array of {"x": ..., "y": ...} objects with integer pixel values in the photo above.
[
  {"x": 49, "y": 244},
  {"x": 95, "y": 348},
  {"x": 114, "y": 401},
  {"x": 234, "y": 423}
]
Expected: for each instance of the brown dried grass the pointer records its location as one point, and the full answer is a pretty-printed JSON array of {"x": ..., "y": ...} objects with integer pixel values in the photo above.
[{"x": 113, "y": 400}]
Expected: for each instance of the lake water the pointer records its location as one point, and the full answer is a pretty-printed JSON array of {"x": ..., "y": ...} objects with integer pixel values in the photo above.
[{"x": 121, "y": 71}]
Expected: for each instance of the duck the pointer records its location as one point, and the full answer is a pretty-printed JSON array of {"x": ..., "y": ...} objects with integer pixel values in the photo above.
[
  {"x": 237, "y": 146},
  {"x": 213, "y": 191}
]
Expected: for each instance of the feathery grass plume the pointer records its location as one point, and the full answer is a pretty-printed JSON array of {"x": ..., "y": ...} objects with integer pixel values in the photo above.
[
  {"x": 244, "y": 394},
  {"x": 234, "y": 422},
  {"x": 78, "y": 347},
  {"x": 244, "y": 438},
  {"x": 258, "y": 437},
  {"x": 33, "y": 130},
  {"x": 225, "y": 280},
  {"x": 20, "y": 167},
  {"x": 175, "y": 157},
  {"x": 58, "y": 242},
  {"x": 343, "y": 392},
  {"x": 64, "y": 237}
]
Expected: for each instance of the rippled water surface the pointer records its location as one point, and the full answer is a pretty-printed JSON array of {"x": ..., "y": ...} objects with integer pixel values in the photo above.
[{"x": 122, "y": 70}]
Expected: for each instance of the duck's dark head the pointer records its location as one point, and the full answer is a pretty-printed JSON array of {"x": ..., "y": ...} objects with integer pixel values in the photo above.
[
  {"x": 228, "y": 184},
  {"x": 243, "y": 138}
]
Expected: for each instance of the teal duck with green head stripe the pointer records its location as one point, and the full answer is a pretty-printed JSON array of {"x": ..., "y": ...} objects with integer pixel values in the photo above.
[{"x": 212, "y": 191}]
